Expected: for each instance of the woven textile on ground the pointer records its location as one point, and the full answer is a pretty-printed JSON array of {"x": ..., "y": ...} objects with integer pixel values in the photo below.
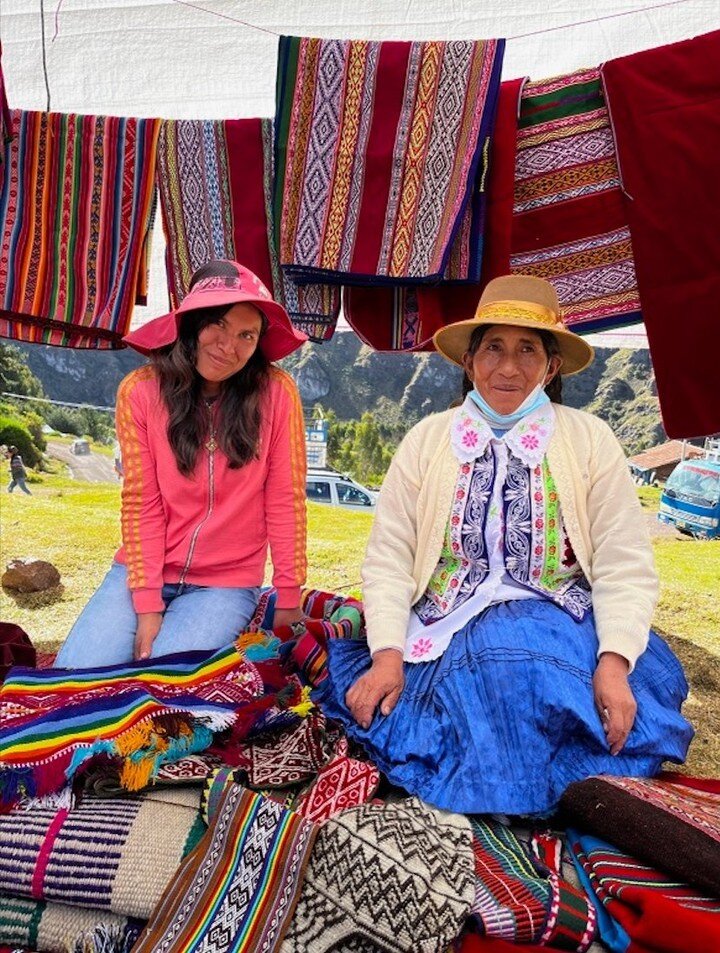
[
  {"x": 76, "y": 210},
  {"x": 394, "y": 877},
  {"x": 138, "y": 716},
  {"x": 341, "y": 784},
  {"x": 666, "y": 122},
  {"x": 59, "y": 927},
  {"x": 569, "y": 223},
  {"x": 238, "y": 890},
  {"x": 123, "y": 852},
  {"x": 671, "y": 822},
  {"x": 378, "y": 146},
  {"x": 640, "y": 908},
  {"x": 215, "y": 180},
  {"x": 521, "y": 898}
]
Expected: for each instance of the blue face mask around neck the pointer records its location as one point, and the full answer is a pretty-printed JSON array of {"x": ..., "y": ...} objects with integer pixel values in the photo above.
[{"x": 536, "y": 398}]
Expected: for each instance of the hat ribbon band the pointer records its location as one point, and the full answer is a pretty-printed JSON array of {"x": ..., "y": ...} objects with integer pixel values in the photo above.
[{"x": 519, "y": 310}]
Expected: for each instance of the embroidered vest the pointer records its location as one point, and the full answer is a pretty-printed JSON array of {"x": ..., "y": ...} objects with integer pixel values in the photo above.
[{"x": 505, "y": 501}]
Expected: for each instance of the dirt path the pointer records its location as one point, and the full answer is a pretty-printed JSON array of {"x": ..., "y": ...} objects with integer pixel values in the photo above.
[{"x": 90, "y": 467}]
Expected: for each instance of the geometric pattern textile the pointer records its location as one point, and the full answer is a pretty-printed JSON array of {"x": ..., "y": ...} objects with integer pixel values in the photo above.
[
  {"x": 140, "y": 715},
  {"x": 238, "y": 890},
  {"x": 569, "y": 223},
  {"x": 514, "y": 901},
  {"x": 666, "y": 123},
  {"x": 378, "y": 146},
  {"x": 640, "y": 908},
  {"x": 76, "y": 210},
  {"x": 343, "y": 783},
  {"x": 393, "y": 877},
  {"x": 667, "y": 822},
  {"x": 49, "y": 927},
  {"x": 287, "y": 758},
  {"x": 215, "y": 181},
  {"x": 122, "y": 852}
]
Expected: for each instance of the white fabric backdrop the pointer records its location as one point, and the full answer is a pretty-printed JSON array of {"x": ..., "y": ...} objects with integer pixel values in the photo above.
[{"x": 166, "y": 58}]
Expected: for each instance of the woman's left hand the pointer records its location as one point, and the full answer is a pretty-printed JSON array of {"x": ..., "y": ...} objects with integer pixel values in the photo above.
[
  {"x": 614, "y": 699},
  {"x": 287, "y": 616}
]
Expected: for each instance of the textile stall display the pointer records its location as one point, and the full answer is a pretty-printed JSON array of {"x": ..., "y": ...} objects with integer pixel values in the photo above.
[
  {"x": 377, "y": 149},
  {"x": 215, "y": 182},
  {"x": 76, "y": 211},
  {"x": 640, "y": 908},
  {"x": 672, "y": 822},
  {"x": 663, "y": 105}
]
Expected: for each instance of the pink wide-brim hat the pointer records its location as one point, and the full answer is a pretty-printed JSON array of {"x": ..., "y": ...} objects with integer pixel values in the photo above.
[{"x": 280, "y": 337}]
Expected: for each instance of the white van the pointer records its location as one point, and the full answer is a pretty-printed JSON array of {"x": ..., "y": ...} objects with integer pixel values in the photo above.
[{"x": 337, "y": 489}]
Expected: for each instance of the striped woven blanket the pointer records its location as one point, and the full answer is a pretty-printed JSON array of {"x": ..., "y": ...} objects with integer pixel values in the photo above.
[
  {"x": 215, "y": 180},
  {"x": 76, "y": 210},
  {"x": 239, "y": 889},
  {"x": 672, "y": 821},
  {"x": 640, "y": 908},
  {"x": 112, "y": 854},
  {"x": 55, "y": 723},
  {"x": 569, "y": 224},
  {"x": 378, "y": 145},
  {"x": 50, "y": 927}
]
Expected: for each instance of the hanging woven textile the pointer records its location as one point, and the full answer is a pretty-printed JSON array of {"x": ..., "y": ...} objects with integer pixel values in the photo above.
[
  {"x": 378, "y": 146},
  {"x": 215, "y": 181},
  {"x": 76, "y": 211},
  {"x": 664, "y": 107},
  {"x": 569, "y": 223},
  {"x": 6, "y": 127}
]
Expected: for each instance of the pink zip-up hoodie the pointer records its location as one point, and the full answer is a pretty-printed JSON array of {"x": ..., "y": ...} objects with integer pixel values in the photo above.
[{"x": 213, "y": 528}]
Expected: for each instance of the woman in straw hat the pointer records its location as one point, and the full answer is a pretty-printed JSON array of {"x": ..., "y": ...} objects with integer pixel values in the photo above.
[
  {"x": 508, "y": 586},
  {"x": 212, "y": 442}
]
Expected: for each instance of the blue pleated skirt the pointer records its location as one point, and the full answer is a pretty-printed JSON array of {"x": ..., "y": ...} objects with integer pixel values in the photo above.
[{"x": 505, "y": 719}]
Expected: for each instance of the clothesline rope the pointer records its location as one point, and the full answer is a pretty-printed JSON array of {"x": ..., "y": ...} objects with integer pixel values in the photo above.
[{"x": 517, "y": 36}]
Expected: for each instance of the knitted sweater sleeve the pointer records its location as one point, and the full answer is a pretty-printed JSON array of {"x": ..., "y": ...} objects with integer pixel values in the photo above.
[
  {"x": 141, "y": 513},
  {"x": 387, "y": 572},
  {"x": 285, "y": 506},
  {"x": 624, "y": 580}
]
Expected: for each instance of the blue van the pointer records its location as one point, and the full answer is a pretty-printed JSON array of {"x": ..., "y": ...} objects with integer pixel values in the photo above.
[{"x": 691, "y": 498}]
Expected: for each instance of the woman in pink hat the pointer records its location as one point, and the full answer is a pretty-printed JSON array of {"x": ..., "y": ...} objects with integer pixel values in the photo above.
[{"x": 212, "y": 441}]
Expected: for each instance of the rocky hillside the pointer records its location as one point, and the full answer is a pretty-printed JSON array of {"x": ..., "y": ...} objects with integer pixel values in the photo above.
[{"x": 348, "y": 377}]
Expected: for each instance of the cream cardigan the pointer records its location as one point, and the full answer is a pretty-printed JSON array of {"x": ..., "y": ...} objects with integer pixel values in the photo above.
[{"x": 600, "y": 510}]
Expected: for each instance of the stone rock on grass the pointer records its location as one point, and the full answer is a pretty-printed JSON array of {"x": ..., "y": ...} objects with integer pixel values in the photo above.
[{"x": 30, "y": 575}]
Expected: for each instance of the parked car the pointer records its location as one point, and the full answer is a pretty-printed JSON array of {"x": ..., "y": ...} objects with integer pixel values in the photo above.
[
  {"x": 337, "y": 489},
  {"x": 80, "y": 447}
]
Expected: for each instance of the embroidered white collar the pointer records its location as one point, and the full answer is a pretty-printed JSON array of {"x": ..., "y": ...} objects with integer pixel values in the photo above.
[{"x": 470, "y": 433}]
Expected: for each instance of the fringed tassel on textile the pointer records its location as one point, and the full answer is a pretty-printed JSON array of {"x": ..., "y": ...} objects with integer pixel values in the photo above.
[
  {"x": 258, "y": 646},
  {"x": 106, "y": 939}
]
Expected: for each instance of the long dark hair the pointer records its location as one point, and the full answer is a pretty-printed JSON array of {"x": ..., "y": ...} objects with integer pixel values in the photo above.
[
  {"x": 550, "y": 345},
  {"x": 240, "y": 399}
]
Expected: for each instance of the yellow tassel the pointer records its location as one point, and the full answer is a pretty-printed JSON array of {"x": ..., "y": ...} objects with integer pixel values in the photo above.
[
  {"x": 304, "y": 706},
  {"x": 135, "y": 775},
  {"x": 246, "y": 639},
  {"x": 134, "y": 739}
]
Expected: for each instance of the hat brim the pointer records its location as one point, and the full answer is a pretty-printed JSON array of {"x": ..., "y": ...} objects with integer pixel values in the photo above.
[
  {"x": 279, "y": 340},
  {"x": 453, "y": 340}
]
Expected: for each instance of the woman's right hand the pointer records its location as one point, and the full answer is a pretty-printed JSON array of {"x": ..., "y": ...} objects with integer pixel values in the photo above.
[
  {"x": 381, "y": 685},
  {"x": 147, "y": 628}
]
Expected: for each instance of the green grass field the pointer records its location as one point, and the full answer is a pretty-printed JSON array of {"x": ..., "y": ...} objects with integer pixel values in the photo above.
[{"x": 76, "y": 526}]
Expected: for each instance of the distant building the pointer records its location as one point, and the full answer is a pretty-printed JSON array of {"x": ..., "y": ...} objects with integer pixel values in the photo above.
[{"x": 657, "y": 463}]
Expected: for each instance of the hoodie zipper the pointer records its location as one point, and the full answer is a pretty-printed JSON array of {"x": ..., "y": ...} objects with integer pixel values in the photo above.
[{"x": 211, "y": 447}]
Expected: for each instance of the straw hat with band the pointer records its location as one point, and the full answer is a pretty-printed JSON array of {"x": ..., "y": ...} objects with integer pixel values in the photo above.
[
  {"x": 235, "y": 285},
  {"x": 522, "y": 301}
]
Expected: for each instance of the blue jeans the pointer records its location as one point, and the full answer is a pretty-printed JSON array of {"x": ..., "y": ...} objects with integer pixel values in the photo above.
[
  {"x": 196, "y": 617},
  {"x": 18, "y": 481}
]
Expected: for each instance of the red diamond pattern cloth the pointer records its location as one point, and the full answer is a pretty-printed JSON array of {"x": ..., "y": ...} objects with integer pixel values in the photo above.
[{"x": 343, "y": 783}]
